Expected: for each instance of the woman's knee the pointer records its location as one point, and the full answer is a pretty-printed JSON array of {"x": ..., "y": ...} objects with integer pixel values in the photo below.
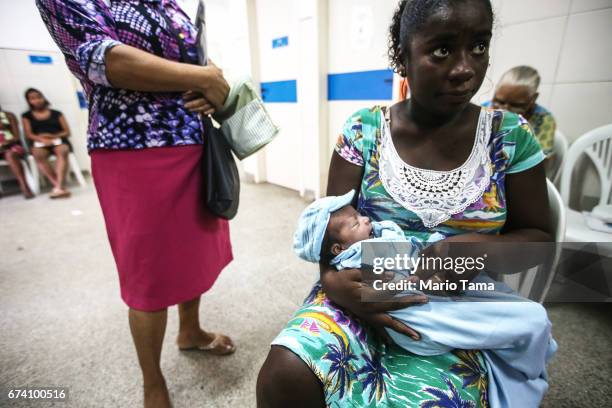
[
  {"x": 40, "y": 154},
  {"x": 286, "y": 381},
  {"x": 10, "y": 156},
  {"x": 61, "y": 152}
]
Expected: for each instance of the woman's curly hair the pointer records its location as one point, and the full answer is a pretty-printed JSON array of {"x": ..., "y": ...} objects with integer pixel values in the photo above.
[{"x": 409, "y": 16}]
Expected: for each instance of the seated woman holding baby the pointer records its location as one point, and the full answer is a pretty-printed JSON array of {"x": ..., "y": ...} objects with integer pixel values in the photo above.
[{"x": 435, "y": 163}]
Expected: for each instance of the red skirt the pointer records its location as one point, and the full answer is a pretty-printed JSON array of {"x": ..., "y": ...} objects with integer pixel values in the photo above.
[{"x": 167, "y": 247}]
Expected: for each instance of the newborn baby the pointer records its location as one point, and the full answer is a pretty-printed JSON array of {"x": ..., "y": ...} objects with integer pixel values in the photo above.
[{"x": 513, "y": 332}]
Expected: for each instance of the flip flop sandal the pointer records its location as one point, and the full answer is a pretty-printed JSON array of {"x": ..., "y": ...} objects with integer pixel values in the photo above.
[
  {"x": 216, "y": 347},
  {"x": 59, "y": 194}
]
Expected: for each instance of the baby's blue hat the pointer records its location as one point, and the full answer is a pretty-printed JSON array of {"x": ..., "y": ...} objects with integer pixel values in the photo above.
[{"x": 312, "y": 224}]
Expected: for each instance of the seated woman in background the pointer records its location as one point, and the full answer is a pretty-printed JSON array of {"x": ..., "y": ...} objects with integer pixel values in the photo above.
[
  {"x": 517, "y": 91},
  {"x": 49, "y": 131},
  {"x": 11, "y": 149}
]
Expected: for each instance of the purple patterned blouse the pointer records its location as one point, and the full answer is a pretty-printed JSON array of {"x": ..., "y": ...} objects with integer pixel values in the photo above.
[{"x": 119, "y": 118}]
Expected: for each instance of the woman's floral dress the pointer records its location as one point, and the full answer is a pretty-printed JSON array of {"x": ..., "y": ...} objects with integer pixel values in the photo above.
[{"x": 355, "y": 367}]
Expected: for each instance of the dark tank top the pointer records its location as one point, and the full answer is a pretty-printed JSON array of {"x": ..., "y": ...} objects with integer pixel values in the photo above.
[{"x": 49, "y": 125}]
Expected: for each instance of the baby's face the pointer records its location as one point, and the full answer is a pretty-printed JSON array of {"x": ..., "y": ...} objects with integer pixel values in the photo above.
[{"x": 347, "y": 226}]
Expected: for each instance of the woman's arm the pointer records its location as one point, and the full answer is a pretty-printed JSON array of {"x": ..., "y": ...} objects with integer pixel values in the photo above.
[
  {"x": 130, "y": 68},
  {"x": 65, "y": 128},
  {"x": 87, "y": 32},
  {"x": 343, "y": 177},
  {"x": 14, "y": 127},
  {"x": 528, "y": 217},
  {"x": 527, "y": 221},
  {"x": 346, "y": 287}
]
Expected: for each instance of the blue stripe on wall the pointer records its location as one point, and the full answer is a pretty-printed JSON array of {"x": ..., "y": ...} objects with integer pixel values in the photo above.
[
  {"x": 365, "y": 85},
  {"x": 279, "y": 91}
]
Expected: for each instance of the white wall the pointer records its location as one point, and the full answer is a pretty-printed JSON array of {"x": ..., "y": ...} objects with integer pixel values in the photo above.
[
  {"x": 275, "y": 19},
  {"x": 227, "y": 28},
  {"x": 568, "y": 42},
  {"x": 313, "y": 44},
  {"x": 22, "y": 28},
  {"x": 358, "y": 31},
  {"x": 23, "y": 33},
  {"x": 54, "y": 80}
]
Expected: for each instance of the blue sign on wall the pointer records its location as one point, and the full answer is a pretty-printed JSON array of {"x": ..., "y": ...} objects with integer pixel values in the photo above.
[
  {"x": 279, "y": 91},
  {"x": 365, "y": 85},
  {"x": 41, "y": 59},
  {"x": 280, "y": 42}
]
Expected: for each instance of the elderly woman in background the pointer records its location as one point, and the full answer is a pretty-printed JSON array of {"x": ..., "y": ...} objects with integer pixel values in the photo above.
[
  {"x": 11, "y": 149},
  {"x": 136, "y": 62},
  {"x": 517, "y": 91}
]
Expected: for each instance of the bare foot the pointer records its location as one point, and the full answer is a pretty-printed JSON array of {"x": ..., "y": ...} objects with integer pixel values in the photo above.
[
  {"x": 213, "y": 343},
  {"x": 157, "y": 397}
]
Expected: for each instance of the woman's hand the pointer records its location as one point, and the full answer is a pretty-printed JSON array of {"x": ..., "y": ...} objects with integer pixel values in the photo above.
[
  {"x": 214, "y": 87},
  {"x": 196, "y": 102},
  {"x": 45, "y": 141},
  {"x": 346, "y": 288}
]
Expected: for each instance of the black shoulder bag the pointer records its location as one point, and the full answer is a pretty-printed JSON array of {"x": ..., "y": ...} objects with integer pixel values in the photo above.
[
  {"x": 220, "y": 178},
  {"x": 220, "y": 173}
]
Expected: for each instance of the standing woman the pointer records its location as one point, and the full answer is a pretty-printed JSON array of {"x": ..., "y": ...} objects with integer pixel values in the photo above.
[
  {"x": 11, "y": 149},
  {"x": 49, "y": 132},
  {"x": 135, "y": 62}
]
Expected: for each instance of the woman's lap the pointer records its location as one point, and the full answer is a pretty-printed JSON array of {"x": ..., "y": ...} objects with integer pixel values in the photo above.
[{"x": 357, "y": 369}]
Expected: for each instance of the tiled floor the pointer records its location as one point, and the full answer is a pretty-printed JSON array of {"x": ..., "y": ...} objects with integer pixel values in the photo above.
[{"x": 63, "y": 322}]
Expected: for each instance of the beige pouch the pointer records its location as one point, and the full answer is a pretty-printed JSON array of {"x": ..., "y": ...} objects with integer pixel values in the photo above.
[{"x": 245, "y": 123}]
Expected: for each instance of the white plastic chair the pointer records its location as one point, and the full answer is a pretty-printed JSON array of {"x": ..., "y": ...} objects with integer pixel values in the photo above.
[
  {"x": 560, "y": 150},
  {"x": 534, "y": 283},
  {"x": 26, "y": 171},
  {"x": 597, "y": 146},
  {"x": 73, "y": 168}
]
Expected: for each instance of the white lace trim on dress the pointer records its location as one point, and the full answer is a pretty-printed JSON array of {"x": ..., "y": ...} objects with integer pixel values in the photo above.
[{"x": 434, "y": 196}]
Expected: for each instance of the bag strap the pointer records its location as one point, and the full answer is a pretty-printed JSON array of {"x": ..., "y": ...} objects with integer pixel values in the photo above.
[{"x": 179, "y": 39}]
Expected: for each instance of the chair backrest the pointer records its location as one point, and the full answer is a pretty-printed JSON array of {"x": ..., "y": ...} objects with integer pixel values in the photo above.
[
  {"x": 559, "y": 149},
  {"x": 535, "y": 282},
  {"x": 597, "y": 145},
  {"x": 557, "y": 212}
]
